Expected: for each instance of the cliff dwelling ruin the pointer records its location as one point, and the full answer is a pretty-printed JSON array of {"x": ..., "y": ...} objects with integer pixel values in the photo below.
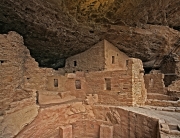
[
  {"x": 89, "y": 69},
  {"x": 104, "y": 98}
]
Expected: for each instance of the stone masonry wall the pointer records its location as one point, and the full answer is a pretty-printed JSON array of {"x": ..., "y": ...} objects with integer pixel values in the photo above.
[
  {"x": 86, "y": 122},
  {"x": 68, "y": 83},
  {"x": 127, "y": 124},
  {"x": 126, "y": 86},
  {"x": 11, "y": 68},
  {"x": 17, "y": 104},
  {"x": 139, "y": 92},
  {"x": 90, "y": 60},
  {"x": 35, "y": 77},
  {"x": 114, "y": 58},
  {"x": 120, "y": 92},
  {"x": 154, "y": 83},
  {"x": 174, "y": 87},
  {"x": 169, "y": 68}
]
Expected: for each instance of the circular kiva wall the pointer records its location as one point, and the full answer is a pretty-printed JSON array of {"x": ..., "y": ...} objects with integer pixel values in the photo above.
[{"x": 77, "y": 120}]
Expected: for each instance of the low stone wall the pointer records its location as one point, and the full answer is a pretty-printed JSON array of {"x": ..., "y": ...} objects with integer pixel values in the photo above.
[
  {"x": 87, "y": 120},
  {"x": 51, "y": 97},
  {"x": 127, "y": 124},
  {"x": 156, "y": 96},
  {"x": 163, "y": 103},
  {"x": 154, "y": 83}
]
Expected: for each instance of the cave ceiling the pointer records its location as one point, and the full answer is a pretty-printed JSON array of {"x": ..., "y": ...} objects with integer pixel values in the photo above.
[{"x": 56, "y": 29}]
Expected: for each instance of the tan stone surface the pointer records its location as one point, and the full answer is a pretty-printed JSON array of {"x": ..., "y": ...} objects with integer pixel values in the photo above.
[
  {"x": 174, "y": 88},
  {"x": 105, "y": 57},
  {"x": 86, "y": 128},
  {"x": 52, "y": 117},
  {"x": 13, "y": 123},
  {"x": 154, "y": 83},
  {"x": 65, "y": 131},
  {"x": 85, "y": 61},
  {"x": 120, "y": 58},
  {"x": 11, "y": 73},
  {"x": 91, "y": 99},
  {"x": 20, "y": 71},
  {"x": 139, "y": 92},
  {"x": 75, "y": 98},
  {"x": 125, "y": 123},
  {"x": 50, "y": 97},
  {"x": 106, "y": 131}
]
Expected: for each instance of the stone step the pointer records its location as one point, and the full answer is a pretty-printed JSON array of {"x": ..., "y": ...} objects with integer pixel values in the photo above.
[
  {"x": 163, "y": 103},
  {"x": 169, "y": 130},
  {"x": 158, "y": 96}
]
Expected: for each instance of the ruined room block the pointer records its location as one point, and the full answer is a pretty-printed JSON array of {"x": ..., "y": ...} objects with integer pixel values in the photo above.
[
  {"x": 106, "y": 131},
  {"x": 65, "y": 131}
]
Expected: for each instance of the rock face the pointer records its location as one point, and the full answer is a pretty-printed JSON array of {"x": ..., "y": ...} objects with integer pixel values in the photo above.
[{"x": 55, "y": 30}]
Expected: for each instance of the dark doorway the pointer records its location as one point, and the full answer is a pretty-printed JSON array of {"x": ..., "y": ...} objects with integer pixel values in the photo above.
[{"x": 75, "y": 63}]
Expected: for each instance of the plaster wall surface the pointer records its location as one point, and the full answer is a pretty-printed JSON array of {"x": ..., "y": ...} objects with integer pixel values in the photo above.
[
  {"x": 102, "y": 56},
  {"x": 90, "y": 60},
  {"x": 114, "y": 58}
]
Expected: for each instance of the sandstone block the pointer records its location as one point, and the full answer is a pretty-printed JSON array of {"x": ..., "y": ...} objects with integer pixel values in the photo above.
[
  {"x": 91, "y": 99},
  {"x": 165, "y": 128},
  {"x": 106, "y": 131},
  {"x": 65, "y": 131},
  {"x": 80, "y": 74},
  {"x": 71, "y": 76},
  {"x": 178, "y": 127}
]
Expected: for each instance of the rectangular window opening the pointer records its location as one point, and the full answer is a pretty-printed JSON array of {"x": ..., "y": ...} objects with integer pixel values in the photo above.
[
  {"x": 75, "y": 63},
  {"x": 151, "y": 82},
  {"x": 55, "y": 82},
  {"x": 108, "y": 83},
  {"x": 78, "y": 84},
  {"x": 126, "y": 62},
  {"x": 113, "y": 59}
]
